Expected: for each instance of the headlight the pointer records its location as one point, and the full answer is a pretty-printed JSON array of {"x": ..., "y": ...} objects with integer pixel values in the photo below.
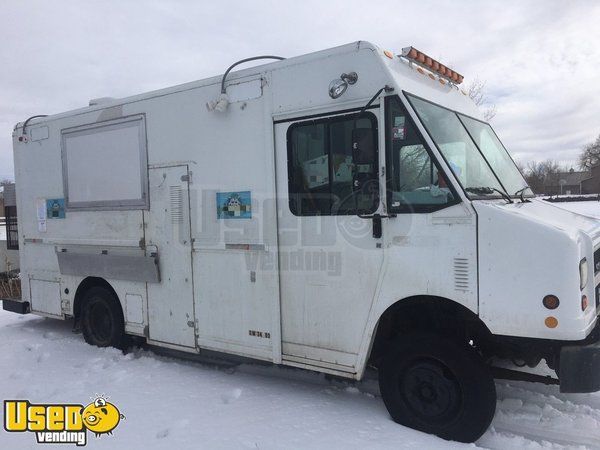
[{"x": 583, "y": 273}]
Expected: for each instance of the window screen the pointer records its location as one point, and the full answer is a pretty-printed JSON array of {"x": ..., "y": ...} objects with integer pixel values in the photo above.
[
  {"x": 105, "y": 165},
  {"x": 326, "y": 176}
]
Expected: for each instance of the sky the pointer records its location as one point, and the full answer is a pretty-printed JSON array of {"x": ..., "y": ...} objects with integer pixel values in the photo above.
[{"x": 539, "y": 59}]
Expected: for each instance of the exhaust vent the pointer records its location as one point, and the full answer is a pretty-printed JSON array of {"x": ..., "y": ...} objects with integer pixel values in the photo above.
[
  {"x": 461, "y": 274},
  {"x": 102, "y": 101}
]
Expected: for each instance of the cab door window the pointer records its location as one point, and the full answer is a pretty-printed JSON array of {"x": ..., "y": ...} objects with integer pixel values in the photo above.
[
  {"x": 326, "y": 174},
  {"x": 414, "y": 181}
]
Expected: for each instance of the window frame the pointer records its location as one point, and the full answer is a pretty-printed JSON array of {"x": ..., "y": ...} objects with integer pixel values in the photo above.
[
  {"x": 142, "y": 203},
  {"x": 460, "y": 117},
  {"x": 470, "y": 196},
  {"x": 405, "y": 208},
  {"x": 328, "y": 120}
]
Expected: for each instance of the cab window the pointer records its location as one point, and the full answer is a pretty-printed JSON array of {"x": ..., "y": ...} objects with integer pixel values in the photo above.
[
  {"x": 326, "y": 174},
  {"x": 414, "y": 181}
]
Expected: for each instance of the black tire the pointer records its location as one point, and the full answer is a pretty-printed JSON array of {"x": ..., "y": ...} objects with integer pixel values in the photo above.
[
  {"x": 102, "y": 321},
  {"x": 437, "y": 385}
]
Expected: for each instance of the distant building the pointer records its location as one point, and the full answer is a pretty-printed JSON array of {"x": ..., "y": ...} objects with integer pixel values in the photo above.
[
  {"x": 591, "y": 185},
  {"x": 565, "y": 183},
  {"x": 9, "y": 216}
]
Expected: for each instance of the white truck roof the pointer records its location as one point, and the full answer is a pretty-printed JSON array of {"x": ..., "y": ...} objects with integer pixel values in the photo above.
[{"x": 408, "y": 78}]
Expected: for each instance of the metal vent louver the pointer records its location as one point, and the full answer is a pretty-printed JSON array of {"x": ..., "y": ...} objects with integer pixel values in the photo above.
[
  {"x": 176, "y": 197},
  {"x": 461, "y": 274}
]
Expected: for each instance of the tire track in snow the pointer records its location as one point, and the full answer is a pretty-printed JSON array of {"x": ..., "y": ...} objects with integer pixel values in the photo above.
[
  {"x": 543, "y": 416},
  {"x": 543, "y": 435}
]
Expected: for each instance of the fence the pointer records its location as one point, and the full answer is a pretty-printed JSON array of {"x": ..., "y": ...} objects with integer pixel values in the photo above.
[
  {"x": 10, "y": 222},
  {"x": 574, "y": 198}
]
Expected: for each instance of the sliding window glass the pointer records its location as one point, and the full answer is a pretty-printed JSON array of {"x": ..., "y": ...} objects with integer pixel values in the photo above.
[{"x": 326, "y": 176}]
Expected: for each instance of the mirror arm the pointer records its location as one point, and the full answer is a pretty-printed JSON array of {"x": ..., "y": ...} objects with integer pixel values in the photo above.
[{"x": 386, "y": 88}]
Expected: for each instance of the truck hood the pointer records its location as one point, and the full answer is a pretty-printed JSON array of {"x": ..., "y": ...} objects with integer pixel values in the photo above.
[
  {"x": 526, "y": 251},
  {"x": 549, "y": 214}
]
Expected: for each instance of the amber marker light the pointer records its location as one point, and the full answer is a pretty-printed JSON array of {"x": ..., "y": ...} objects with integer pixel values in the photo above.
[
  {"x": 388, "y": 54},
  {"x": 551, "y": 322},
  {"x": 421, "y": 59}
]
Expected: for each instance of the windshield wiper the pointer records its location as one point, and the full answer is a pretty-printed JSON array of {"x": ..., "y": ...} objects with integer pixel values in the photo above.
[
  {"x": 486, "y": 190},
  {"x": 521, "y": 194}
]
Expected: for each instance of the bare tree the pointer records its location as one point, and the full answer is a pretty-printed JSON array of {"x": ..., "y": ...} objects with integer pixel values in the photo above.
[
  {"x": 590, "y": 155},
  {"x": 539, "y": 174},
  {"x": 522, "y": 167},
  {"x": 477, "y": 92}
]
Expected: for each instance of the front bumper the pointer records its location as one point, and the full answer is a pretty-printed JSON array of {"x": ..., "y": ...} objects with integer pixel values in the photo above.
[{"x": 579, "y": 369}]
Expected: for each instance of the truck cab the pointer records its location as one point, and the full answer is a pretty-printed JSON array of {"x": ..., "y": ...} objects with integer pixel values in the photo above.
[{"x": 338, "y": 211}]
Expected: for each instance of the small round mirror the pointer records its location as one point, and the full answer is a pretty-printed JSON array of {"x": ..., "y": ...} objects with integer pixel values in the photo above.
[{"x": 337, "y": 88}]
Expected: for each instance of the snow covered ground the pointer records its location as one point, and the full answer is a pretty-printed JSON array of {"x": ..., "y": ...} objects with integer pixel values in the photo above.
[
  {"x": 589, "y": 208},
  {"x": 177, "y": 404}
]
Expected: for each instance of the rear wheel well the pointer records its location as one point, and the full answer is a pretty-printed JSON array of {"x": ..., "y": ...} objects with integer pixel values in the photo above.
[
  {"x": 426, "y": 314},
  {"x": 86, "y": 285}
]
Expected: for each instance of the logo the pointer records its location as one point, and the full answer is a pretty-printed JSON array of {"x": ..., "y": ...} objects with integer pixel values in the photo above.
[{"x": 62, "y": 423}]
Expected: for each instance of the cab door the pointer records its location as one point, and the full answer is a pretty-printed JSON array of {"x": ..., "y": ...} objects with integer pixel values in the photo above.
[{"x": 329, "y": 259}]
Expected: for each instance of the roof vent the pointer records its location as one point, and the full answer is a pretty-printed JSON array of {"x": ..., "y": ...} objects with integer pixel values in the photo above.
[{"x": 101, "y": 101}]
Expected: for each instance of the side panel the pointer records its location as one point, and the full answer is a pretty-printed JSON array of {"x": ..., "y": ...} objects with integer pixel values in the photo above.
[
  {"x": 235, "y": 233},
  {"x": 170, "y": 302},
  {"x": 39, "y": 179},
  {"x": 45, "y": 297}
]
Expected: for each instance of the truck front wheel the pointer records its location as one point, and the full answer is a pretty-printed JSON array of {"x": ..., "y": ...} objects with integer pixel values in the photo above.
[
  {"x": 102, "y": 321},
  {"x": 439, "y": 386}
]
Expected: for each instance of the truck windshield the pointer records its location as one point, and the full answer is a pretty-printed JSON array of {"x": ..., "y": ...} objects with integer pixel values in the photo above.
[{"x": 473, "y": 151}]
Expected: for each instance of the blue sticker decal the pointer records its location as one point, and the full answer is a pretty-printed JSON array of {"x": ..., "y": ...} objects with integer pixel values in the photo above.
[
  {"x": 234, "y": 205},
  {"x": 55, "y": 208}
]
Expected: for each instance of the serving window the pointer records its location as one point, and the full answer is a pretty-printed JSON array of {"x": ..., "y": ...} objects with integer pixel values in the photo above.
[{"x": 105, "y": 165}]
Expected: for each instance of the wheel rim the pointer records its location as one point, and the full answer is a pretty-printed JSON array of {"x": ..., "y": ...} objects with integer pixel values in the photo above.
[
  {"x": 101, "y": 322},
  {"x": 431, "y": 391}
]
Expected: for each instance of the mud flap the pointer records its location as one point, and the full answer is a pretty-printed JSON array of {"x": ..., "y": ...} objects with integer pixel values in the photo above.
[
  {"x": 580, "y": 369},
  {"x": 16, "y": 307}
]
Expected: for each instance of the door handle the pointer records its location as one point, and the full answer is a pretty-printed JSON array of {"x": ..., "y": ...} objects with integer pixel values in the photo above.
[{"x": 377, "y": 228}]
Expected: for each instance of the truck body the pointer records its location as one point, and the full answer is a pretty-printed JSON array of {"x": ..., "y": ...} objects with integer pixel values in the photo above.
[{"x": 257, "y": 229}]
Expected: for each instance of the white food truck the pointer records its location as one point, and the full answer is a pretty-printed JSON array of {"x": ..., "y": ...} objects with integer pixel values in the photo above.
[{"x": 337, "y": 211}]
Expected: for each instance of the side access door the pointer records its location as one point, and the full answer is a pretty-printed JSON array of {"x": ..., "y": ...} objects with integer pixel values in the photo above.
[
  {"x": 170, "y": 302},
  {"x": 329, "y": 259}
]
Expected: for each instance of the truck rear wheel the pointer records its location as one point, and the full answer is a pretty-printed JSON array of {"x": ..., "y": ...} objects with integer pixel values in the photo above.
[
  {"x": 102, "y": 321},
  {"x": 439, "y": 386}
]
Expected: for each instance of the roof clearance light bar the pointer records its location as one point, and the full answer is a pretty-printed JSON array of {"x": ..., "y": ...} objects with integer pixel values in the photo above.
[{"x": 421, "y": 59}]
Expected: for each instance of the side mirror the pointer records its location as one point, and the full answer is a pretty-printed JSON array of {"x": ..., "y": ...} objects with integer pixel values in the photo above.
[{"x": 363, "y": 146}]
